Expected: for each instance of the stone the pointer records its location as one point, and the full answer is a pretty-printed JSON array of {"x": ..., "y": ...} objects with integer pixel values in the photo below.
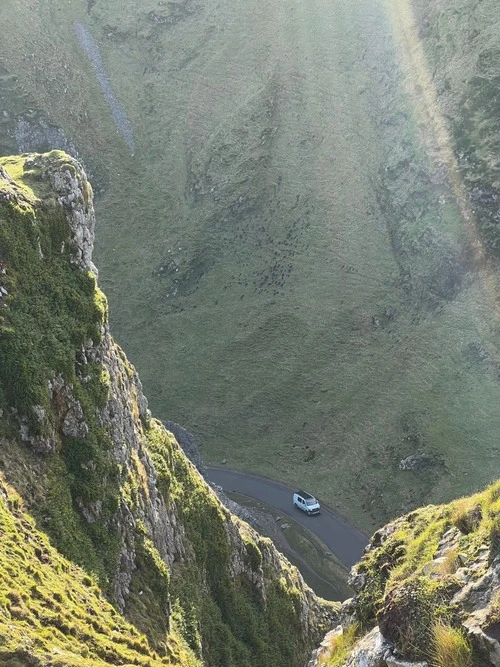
[
  {"x": 322, "y": 652},
  {"x": 480, "y": 638},
  {"x": 42, "y": 444},
  {"x": 91, "y": 511},
  {"x": 369, "y": 651},
  {"x": 69, "y": 182},
  {"x": 224, "y": 461},
  {"x": 123, "y": 415},
  {"x": 39, "y": 412},
  {"x": 416, "y": 462},
  {"x": 187, "y": 442},
  {"x": 392, "y": 661},
  {"x": 69, "y": 409}
]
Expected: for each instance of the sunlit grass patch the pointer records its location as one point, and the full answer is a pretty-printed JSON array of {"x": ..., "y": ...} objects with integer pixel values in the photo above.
[
  {"x": 340, "y": 647},
  {"x": 450, "y": 647}
]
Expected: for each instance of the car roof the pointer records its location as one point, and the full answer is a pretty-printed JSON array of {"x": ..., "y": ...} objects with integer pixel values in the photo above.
[{"x": 306, "y": 495}]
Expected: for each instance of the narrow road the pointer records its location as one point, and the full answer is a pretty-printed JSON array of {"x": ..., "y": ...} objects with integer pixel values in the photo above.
[{"x": 342, "y": 538}]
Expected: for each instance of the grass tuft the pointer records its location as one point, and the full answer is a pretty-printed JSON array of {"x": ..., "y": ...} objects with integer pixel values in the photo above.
[
  {"x": 340, "y": 647},
  {"x": 450, "y": 647}
]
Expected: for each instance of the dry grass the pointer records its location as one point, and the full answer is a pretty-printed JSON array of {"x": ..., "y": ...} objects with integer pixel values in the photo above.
[
  {"x": 450, "y": 647},
  {"x": 340, "y": 647},
  {"x": 466, "y": 514},
  {"x": 450, "y": 563}
]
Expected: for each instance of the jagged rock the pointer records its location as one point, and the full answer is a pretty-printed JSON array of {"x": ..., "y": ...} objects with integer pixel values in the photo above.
[
  {"x": 236, "y": 509},
  {"x": 42, "y": 444},
  {"x": 370, "y": 651},
  {"x": 91, "y": 511},
  {"x": 484, "y": 631},
  {"x": 74, "y": 193},
  {"x": 149, "y": 530},
  {"x": 416, "y": 462},
  {"x": 392, "y": 661},
  {"x": 68, "y": 408},
  {"x": 348, "y": 612},
  {"x": 322, "y": 652}
]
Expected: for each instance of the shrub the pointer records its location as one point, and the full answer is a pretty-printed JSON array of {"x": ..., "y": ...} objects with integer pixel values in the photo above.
[{"x": 411, "y": 609}]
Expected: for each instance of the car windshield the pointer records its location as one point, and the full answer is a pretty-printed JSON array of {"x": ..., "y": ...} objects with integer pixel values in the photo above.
[{"x": 311, "y": 501}]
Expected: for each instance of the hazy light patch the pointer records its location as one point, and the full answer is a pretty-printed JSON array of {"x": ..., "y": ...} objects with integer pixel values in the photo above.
[
  {"x": 437, "y": 139},
  {"x": 89, "y": 45}
]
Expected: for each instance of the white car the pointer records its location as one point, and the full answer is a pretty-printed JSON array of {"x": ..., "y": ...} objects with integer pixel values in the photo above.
[{"x": 305, "y": 502}]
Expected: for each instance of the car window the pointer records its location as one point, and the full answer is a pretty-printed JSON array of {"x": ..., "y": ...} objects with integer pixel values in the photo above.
[{"x": 311, "y": 501}]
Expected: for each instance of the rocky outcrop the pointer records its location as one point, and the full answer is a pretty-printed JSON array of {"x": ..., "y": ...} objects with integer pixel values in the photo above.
[
  {"x": 429, "y": 581},
  {"x": 148, "y": 519},
  {"x": 187, "y": 442}
]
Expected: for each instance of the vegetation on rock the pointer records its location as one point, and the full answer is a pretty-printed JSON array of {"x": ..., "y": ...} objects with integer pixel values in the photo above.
[
  {"x": 109, "y": 487},
  {"x": 429, "y": 582},
  {"x": 52, "y": 612},
  {"x": 310, "y": 263}
]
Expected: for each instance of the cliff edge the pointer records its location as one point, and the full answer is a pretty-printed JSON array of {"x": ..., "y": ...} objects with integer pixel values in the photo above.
[
  {"x": 427, "y": 592},
  {"x": 114, "y": 550}
]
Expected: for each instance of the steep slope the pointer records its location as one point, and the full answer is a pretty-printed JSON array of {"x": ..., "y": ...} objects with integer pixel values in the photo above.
[
  {"x": 427, "y": 591},
  {"x": 285, "y": 230},
  {"x": 107, "y": 484},
  {"x": 52, "y": 612},
  {"x": 462, "y": 45}
]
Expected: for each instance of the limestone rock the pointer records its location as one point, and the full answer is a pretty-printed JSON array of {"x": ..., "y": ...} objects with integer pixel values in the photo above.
[
  {"x": 187, "y": 442},
  {"x": 74, "y": 193},
  {"x": 416, "y": 462},
  {"x": 370, "y": 651},
  {"x": 322, "y": 652},
  {"x": 391, "y": 661}
]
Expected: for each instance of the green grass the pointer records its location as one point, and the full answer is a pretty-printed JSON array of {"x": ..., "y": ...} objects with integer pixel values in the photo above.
[
  {"x": 269, "y": 339},
  {"x": 450, "y": 647},
  {"x": 51, "y": 611},
  {"x": 340, "y": 647},
  {"x": 52, "y": 312},
  {"x": 408, "y": 593},
  {"x": 234, "y": 625},
  {"x": 463, "y": 49}
]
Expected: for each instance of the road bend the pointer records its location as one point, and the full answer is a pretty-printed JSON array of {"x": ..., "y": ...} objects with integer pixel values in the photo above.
[{"x": 342, "y": 538}]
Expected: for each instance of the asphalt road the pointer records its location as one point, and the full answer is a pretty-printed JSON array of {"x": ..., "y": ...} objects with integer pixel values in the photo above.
[{"x": 342, "y": 538}]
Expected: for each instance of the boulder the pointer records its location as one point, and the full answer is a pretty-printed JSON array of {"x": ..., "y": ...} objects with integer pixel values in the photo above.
[{"x": 369, "y": 651}]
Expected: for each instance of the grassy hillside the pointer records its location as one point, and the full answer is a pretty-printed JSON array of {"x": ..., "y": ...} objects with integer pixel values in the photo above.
[
  {"x": 463, "y": 50},
  {"x": 284, "y": 252},
  {"x": 52, "y": 612}
]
